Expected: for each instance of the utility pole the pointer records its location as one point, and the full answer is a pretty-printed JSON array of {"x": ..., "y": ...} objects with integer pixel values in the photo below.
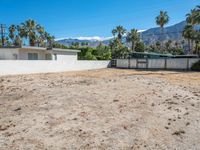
[{"x": 3, "y": 32}]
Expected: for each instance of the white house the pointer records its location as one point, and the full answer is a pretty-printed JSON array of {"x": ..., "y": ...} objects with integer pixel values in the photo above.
[{"x": 37, "y": 53}]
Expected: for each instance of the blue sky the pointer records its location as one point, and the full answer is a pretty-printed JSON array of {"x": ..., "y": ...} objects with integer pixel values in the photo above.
[{"x": 77, "y": 18}]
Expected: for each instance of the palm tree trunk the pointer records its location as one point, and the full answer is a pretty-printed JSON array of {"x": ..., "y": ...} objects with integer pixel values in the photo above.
[
  {"x": 132, "y": 47},
  {"x": 31, "y": 42},
  {"x": 189, "y": 50},
  {"x": 162, "y": 34}
]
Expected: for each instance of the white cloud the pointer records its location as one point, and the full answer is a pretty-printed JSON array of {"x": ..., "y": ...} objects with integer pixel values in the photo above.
[
  {"x": 92, "y": 38},
  {"x": 141, "y": 31}
]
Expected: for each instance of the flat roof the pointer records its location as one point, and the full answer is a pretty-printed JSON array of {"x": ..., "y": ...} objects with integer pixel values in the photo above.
[
  {"x": 42, "y": 48},
  {"x": 169, "y": 55},
  {"x": 151, "y": 53},
  {"x": 64, "y": 50}
]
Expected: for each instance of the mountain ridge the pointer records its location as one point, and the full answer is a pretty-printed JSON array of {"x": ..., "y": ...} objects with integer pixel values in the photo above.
[{"x": 150, "y": 36}]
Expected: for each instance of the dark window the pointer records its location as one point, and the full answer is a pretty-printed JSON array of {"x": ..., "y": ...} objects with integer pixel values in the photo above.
[
  {"x": 32, "y": 56},
  {"x": 48, "y": 57},
  {"x": 55, "y": 56}
]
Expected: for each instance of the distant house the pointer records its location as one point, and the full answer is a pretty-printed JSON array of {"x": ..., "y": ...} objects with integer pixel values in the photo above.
[{"x": 37, "y": 53}]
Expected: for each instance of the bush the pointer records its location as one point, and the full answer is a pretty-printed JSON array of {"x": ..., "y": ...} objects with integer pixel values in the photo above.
[{"x": 196, "y": 66}]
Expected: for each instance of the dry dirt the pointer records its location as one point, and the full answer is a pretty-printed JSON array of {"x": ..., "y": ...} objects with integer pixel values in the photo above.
[{"x": 102, "y": 109}]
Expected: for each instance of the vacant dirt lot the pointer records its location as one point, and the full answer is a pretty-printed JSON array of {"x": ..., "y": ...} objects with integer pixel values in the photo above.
[{"x": 102, "y": 109}]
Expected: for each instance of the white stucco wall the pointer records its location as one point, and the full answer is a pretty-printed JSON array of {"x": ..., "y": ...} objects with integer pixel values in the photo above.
[
  {"x": 8, "y": 53},
  {"x": 11, "y": 67},
  {"x": 22, "y": 54},
  {"x": 66, "y": 56}
]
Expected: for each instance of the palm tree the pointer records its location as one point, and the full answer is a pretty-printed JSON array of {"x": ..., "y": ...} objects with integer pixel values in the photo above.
[
  {"x": 119, "y": 31},
  {"x": 133, "y": 37},
  {"x": 12, "y": 32},
  {"x": 41, "y": 37},
  {"x": 21, "y": 32},
  {"x": 188, "y": 33},
  {"x": 168, "y": 44},
  {"x": 17, "y": 41},
  {"x": 176, "y": 44},
  {"x": 162, "y": 19},
  {"x": 190, "y": 17},
  {"x": 50, "y": 39},
  {"x": 29, "y": 31},
  {"x": 196, "y": 39},
  {"x": 197, "y": 16}
]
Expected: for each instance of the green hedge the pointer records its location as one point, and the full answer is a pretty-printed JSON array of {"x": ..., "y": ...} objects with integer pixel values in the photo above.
[{"x": 196, "y": 66}]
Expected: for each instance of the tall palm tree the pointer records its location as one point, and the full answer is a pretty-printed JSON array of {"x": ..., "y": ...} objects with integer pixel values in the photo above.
[
  {"x": 50, "y": 39},
  {"x": 188, "y": 33},
  {"x": 133, "y": 37},
  {"x": 29, "y": 31},
  {"x": 190, "y": 17},
  {"x": 162, "y": 19},
  {"x": 17, "y": 41},
  {"x": 41, "y": 37},
  {"x": 193, "y": 17},
  {"x": 119, "y": 31},
  {"x": 11, "y": 35},
  {"x": 196, "y": 15},
  {"x": 197, "y": 41},
  {"x": 21, "y": 32}
]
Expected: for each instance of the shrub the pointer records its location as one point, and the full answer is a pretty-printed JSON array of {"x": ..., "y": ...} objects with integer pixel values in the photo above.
[{"x": 196, "y": 66}]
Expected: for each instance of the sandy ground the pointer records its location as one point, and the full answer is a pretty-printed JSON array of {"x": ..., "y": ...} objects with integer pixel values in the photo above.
[{"x": 102, "y": 109}]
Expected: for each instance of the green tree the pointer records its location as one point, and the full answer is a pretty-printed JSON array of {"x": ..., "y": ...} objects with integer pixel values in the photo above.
[
  {"x": 168, "y": 44},
  {"x": 17, "y": 41},
  {"x": 139, "y": 47},
  {"x": 119, "y": 31},
  {"x": 21, "y": 32},
  {"x": 133, "y": 37},
  {"x": 188, "y": 33},
  {"x": 29, "y": 31},
  {"x": 162, "y": 19},
  {"x": 41, "y": 37},
  {"x": 103, "y": 52},
  {"x": 158, "y": 46},
  {"x": 197, "y": 15},
  {"x": 11, "y": 35},
  {"x": 49, "y": 39},
  {"x": 193, "y": 17},
  {"x": 119, "y": 50}
]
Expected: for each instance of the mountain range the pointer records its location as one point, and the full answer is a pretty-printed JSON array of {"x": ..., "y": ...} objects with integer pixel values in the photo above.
[{"x": 149, "y": 36}]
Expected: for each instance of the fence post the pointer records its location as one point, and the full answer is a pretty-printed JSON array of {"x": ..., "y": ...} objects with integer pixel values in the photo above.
[
  {"x": 147, "y": 63},
  {"x": 165, "y": 63},
  {"x": 188, "y": 67},
  {"x": 136, "y": 63}
]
